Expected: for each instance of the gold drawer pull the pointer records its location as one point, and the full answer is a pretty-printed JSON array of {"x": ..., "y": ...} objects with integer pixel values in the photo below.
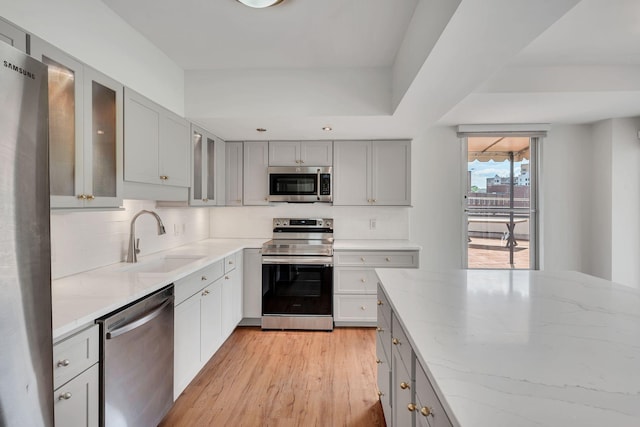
[
  {"x": 378, "y": 361},
  {"x": 395, "y": 341},
  {"x": 380, "y": 302},
  {"x": 404, "y": 385},
  {"x": 426, "y": 411},
  {"x": 379, "y": 329},
  {"x": 380, "y": 394},
  {"x": 388, "y": 259},
  {"x": 363, "y": 259},
  {"x": 411, "y": 407}
]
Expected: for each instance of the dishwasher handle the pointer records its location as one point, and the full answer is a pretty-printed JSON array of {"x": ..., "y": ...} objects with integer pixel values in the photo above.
[{"x": 147, "y": 317}]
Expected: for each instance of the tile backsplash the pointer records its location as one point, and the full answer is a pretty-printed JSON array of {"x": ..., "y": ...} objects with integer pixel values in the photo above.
[
  {"x": 84, "y": 240},
  {"x": 351, "y": 222}
]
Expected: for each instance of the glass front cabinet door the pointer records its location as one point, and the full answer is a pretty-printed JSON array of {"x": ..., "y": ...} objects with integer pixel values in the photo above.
[
  {"x": 207, "y": 165},
  {"x": 85, "y": 132}
]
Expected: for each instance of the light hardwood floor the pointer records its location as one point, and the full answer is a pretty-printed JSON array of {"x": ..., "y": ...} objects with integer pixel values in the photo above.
[{"x": 285, "y": 378}]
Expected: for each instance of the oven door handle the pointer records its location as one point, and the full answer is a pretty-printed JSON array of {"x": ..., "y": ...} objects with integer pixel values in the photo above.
[{"x": 327, "y": 261}]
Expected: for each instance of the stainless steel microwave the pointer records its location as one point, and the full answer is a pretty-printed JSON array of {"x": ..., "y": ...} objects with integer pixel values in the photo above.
[{"x": 300, "y": 184}]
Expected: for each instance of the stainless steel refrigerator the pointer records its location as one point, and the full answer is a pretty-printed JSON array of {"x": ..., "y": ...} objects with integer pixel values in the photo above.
[{"x": 26, "y": 365}]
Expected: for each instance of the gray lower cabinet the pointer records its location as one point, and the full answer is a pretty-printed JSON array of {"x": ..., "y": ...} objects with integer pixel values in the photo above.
[
  {"x": 406, "y": 394},
  {"x": 252, "y": 287},
  {"x": 208, "y": 307},
  {"x": 76, "y": 379},
  {"x": 355, "y": 283}
]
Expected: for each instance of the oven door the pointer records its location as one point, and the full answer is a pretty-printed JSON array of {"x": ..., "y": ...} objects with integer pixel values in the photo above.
[{"x": 297, "y": 286}]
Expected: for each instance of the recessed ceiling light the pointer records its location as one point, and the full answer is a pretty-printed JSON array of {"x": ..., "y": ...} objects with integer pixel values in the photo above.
[
  {"x": 327, "y": 128},
  {"x": 259, "y": 4},
  {"x": 261, "y": 129}
]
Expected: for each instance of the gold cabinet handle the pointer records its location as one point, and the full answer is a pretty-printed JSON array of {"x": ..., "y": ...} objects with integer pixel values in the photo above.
[
  {"x": 90, "y": 197},
  {"x": 362, "y": 307},
  {"x": 411, "y": 407},
  {"x": 374, "y": 200},
  {"x": 205, "y": 200},
  {"x": 363, "y": 259},
  {"x": 379, "y": 329},
  {"x": 62, "y": 363},
  {"x": 82, "y": 196},
  {"x": 378, "y": 361},
  {"x": 404, "y": 385},
  {"x": 164, "y": 177},
  {"x": 205, "y": 293},
  {"x": 395, "y": 341},
  {"x": 426, "y": 411},
  {"x": 380, "y": 394},
  {"x": 380, "y": 302},
  {"x": 363, "y": 280},
  {"x": 388, "y": 259},
  {"x": 65, "y": 396}
]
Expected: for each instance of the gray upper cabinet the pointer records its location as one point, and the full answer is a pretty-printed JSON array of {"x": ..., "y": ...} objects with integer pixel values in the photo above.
[
  {"x": 85, "y": 132},
  {"x": 156, "y": 143},
  {"x": 207, "y": 168},
  {"x": 372, "y": 173},
  {"x": 13, "y": 35},
  {"x": 255, "y": 179},
  {"x": 300, "y": 153},
  {"x": 234, "y": 172}
]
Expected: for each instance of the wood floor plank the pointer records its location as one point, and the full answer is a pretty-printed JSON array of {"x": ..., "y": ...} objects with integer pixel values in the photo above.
[{"x": 285, "y": 378}]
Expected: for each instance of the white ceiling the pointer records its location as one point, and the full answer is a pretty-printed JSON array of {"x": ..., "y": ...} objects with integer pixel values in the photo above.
[{"x": 308, "y": 63}]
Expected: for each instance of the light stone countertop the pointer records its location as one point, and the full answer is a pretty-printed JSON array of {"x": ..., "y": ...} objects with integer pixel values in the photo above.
[
  {"x": 523, "y": 348},
  {"x": 79, "y": 299},
  {"x": 374, "y": 245}
]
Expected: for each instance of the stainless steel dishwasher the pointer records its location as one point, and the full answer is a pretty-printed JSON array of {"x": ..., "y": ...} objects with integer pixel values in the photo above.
[{"x": 136, "y": 372}]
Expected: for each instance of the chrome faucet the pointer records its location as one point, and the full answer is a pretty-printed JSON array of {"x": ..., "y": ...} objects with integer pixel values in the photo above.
[{"x": 134, "y": 244}]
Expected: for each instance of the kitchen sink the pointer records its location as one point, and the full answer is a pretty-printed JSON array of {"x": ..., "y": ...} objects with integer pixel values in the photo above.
[{"x": 163, "y": 265}]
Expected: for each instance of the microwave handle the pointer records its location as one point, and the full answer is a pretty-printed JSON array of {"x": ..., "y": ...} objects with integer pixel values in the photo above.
[{"x": 319, "y": 184}]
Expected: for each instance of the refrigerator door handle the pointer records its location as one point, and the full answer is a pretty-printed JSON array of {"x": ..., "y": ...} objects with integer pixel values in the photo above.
[{"x": 147, "y": 317}]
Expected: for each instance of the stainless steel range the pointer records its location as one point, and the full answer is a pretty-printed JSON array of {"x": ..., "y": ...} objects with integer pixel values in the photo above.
[{"x": 297, "y": 275}]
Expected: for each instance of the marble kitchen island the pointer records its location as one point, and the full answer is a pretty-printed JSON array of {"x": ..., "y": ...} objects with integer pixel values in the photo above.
[{"x": 522, "y": 348}]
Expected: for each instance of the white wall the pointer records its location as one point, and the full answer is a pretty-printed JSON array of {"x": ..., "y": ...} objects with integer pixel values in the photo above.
[
  {"x": 564, "y": 197},
  {"x": 82, "y": 241},
  {"x": 94, "y": 34},
  {"x": 625, "y": 202},
  {"x": 436, "y": 216},
  {"x": 351, "y": 222}
]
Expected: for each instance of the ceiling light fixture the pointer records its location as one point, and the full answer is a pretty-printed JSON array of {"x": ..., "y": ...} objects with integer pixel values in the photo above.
[
  {"x": 261, "y": 129},
  {"x": 259, "y": 4},
  {"x": 327, "y": 128}
]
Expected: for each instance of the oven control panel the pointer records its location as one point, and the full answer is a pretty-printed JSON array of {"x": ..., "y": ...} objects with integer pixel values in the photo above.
[{"x": 303, "y": 223}]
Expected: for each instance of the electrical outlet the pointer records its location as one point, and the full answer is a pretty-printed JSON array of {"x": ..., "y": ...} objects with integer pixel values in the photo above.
[
  {"x": 372, "y": 224},
  {"x": 176, "y": 230}
]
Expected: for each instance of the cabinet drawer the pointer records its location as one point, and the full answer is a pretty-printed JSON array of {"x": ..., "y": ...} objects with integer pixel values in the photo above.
[
  {"x": 355, "y": 280},
  {"x": 76, "y": 403},
  {"x": 384, "y": 308},
  {"x": 400, "y": 342},
  {"x": 426, "y": 398},
  {"x": 230, "y": 263},
  {"x": 401, "y": 392},
  {"x": 193, "y": 283},
  {"x": 74, "y": 355},
  {"x": 390, "y": 259},
  {"x": 355, "y": 308}
]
